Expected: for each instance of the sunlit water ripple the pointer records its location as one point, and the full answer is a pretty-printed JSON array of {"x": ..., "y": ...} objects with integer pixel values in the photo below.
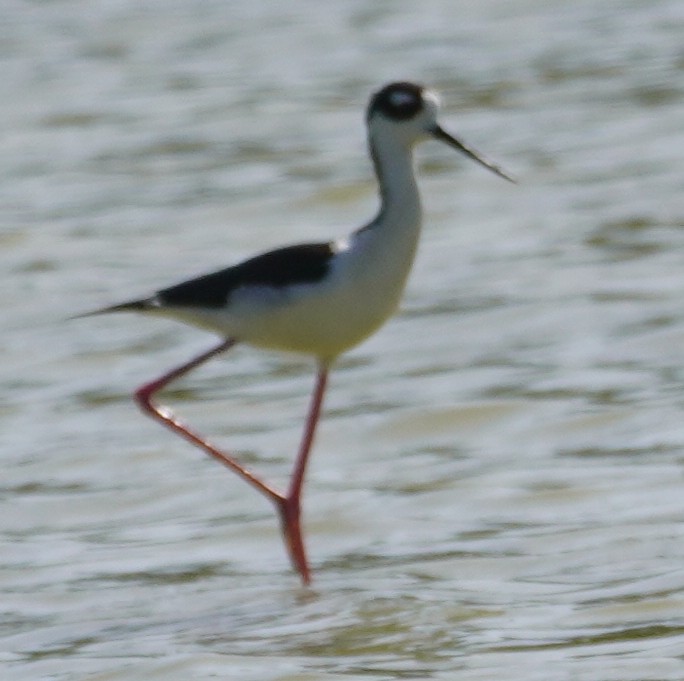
[{"x": 496, "y": 491}]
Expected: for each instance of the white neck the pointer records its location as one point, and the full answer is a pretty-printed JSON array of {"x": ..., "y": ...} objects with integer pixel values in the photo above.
[
  {"x": 400, "y": 208},
  {"x": 378, "y": 257}
]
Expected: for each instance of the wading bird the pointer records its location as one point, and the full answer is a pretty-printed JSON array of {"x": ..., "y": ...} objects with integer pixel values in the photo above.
[{"x": 318, "y": 299}]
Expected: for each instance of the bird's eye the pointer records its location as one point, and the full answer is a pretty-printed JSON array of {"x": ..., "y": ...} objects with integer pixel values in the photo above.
[
  {"x": 399, "y": 102},
  {"x": 403, "y": 101}
]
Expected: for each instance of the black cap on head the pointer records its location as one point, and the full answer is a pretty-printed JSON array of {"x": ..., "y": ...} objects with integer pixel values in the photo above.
[{"x": 397, "y": 101}]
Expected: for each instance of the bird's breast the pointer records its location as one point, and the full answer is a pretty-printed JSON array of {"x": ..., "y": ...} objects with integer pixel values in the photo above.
[{"x": 363, "y": 288}]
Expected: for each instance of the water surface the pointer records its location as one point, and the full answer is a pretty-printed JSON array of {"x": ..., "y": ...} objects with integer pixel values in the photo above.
[{"x": 496, "y": 491}]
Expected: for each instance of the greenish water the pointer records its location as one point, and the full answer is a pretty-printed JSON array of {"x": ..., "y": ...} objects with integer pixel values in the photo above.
[{"x": 496, "y": 491}]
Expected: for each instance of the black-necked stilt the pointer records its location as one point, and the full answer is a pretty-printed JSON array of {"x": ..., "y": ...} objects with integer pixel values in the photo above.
[{"x": 318, "y": 299}]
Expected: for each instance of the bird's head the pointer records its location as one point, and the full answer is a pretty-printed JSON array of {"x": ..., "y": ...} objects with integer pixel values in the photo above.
[{"x": 407, "y": 113}]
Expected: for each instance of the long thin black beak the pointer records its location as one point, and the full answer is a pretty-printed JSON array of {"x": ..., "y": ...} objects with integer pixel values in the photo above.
[{"x": 443, "y": 136}]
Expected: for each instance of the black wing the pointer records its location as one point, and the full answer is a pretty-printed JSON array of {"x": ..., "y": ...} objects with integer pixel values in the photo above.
[{"x": 300, "y": 264}]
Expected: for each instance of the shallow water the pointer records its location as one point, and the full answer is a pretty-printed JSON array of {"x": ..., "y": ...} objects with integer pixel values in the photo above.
[{"x": 496, "y": 490}]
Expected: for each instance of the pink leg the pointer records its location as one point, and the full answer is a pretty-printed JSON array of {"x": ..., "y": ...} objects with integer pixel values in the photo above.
[
  {"x": 289, "y": 505},
  {"x": 144, "y": 397}
]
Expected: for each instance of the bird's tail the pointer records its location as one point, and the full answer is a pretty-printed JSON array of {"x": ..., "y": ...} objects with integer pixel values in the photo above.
[{"x": 142, "y": 305}]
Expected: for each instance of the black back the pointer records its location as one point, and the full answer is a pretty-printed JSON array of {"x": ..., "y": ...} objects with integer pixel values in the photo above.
[{"x": 300, "y": 264}]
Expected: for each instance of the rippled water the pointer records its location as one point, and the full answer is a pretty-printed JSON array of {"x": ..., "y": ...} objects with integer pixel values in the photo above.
[{"x": 496, "y": 491}]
